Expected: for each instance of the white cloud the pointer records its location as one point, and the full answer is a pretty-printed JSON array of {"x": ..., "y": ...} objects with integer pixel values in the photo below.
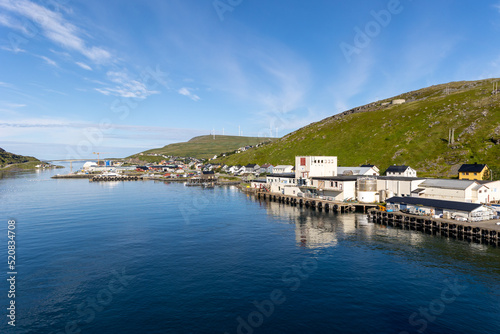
[
  {"x": 53, "y": 26},
  {"x": 497, "y": 6},
  {"x": 14, "y": 49},
  {"x": 84, "y": 66},
  {"x": 186, "y": 92},
  {"x": 48, "y": 61},
  {"x": 126, "y": 87},
  {"x": 14, "y": 105}
]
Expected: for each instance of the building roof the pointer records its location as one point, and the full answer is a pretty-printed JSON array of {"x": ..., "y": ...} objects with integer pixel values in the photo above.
[
  {"x": 399, "y": 178},
  {"x": 471, "y": 168},
  {"x": 396, "y": 169},
  {"x": 447, "y": 184},
  {"x": 266, "y": 166},
  {"x": 283, "y": 166},
  {"x": 367, "y": 166},
  {"x": 208, "y": 172},
  {"x": 338, "y": 178},
  {"x": 435, "y": 203},
  {"x": 251, "y": 165},
  {"x": 286, "y": 175},
  {"x": 353, "y": 170}
]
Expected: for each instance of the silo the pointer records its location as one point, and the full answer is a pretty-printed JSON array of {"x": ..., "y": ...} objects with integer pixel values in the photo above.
[
  {"x": 367, "y": 190},
  {"x": 382, "y": 196}
]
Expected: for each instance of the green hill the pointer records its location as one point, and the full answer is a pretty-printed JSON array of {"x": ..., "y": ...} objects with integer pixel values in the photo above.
[
  {"x": 7, "y": 158},
  {"x": 414, "y": 133},
  {"x": 204, "y": 147}
]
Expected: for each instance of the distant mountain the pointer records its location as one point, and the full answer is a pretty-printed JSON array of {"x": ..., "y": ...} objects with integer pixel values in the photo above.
[
  {"x": 7, "y": 158},
  {"x": 415, "y": 133},
  {"x": 204, "y": 147}
]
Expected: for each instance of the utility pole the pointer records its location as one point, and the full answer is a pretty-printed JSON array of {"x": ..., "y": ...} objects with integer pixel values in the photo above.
[{"x": 451, "y": 136}]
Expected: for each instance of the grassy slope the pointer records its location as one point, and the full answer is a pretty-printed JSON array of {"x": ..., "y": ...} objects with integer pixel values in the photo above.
[
  {"x": 7, "y": 158},
  {"x": 414, "y": 133},
  {"x": 206, "y": 146}
]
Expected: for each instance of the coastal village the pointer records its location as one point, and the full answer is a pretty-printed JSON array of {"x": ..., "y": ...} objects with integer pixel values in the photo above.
[{"x": 473, "y": 196}]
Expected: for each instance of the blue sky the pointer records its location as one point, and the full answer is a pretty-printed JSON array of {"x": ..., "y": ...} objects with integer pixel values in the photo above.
[{"x": 113, "y": 76}]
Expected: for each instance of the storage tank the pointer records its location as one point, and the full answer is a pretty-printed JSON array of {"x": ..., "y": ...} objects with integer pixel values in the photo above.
[
  {"x": 382, "y": 196},
  {"x": 367, "y": 190}
]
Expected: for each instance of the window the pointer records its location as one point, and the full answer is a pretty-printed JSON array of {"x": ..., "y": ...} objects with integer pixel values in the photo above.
[
  {"x": 302, "y": 161},
  {"x": 475, "y": 173}
]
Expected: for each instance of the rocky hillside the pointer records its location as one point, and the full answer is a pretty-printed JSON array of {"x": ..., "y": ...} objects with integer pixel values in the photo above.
[
  {"x": 415, "y": 133},
  {"x": 7, "y": 158}
]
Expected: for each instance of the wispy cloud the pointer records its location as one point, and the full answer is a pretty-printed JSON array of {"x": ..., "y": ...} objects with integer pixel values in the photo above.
[
  {"x": 84, "y": 66},
  {"x": 48, "y": 61},
  {"x": 126, "y": 87},
  {"x": 186, "y": 92},
  {"x": 497, "y": 6},
  {"x": 13, "y": 105},
  {"x": 14, "y": 49},
  {"x": 53, "y": 26}
]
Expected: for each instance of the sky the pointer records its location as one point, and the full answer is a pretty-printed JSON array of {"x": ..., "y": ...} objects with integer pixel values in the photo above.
[{"x": 122, "y": 76}]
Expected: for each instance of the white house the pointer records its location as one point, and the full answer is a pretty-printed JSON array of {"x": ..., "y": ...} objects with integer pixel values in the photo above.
[
  {"x": 280, "y": 169},
  {"x": 404, "y": 171},
  {"x": 250, "y": 168},
  {"x": 493, "y": 191},
  {"x": 307, "y": 167},
  {"x": 277, "y": 183},
  {"x": 336, "y": 188},
  {"x": 453, "y": 190},
  {"x": 266, "y": 168},
  {"x": 366, "y": 171}
]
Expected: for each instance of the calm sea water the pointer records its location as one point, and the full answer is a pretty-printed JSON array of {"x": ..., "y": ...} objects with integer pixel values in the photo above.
[{"x": 151, "y": 257}]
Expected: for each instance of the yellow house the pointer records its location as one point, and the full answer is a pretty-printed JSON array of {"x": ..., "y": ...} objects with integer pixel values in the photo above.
[{"x": 474, "y": 172}]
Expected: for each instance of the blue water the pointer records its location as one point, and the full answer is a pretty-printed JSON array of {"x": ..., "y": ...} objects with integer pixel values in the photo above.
[{"x": 150, "y": 257}]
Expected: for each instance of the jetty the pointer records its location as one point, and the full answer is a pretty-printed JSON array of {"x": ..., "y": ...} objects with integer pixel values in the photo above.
[
  {"x": 312, "y": 203},
  {"x": 73, "y": 176},
  {"x": 487, "y": 232},
  {"x": 104, "y": 177}
]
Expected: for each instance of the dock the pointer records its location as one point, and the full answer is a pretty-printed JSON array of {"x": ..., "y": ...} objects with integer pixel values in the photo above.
[
  {"x": 313, "y": 203},
  {"x": 486, "y": 232},
  {"x": 102, "y": 178},
  {"x": 73, "y": 176}
]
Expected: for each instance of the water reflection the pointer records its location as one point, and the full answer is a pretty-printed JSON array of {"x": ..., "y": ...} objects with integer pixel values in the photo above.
[{"x": 320, "y": 229}]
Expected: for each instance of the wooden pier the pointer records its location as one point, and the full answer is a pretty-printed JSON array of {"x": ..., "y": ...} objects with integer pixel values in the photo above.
[
  {"x": 313, "y": 203},
  {"x": 486, "y": 232},
  {"x": 102, "y": 178}
]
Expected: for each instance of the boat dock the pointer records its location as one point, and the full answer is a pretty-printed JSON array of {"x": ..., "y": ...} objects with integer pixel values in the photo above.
[
  {"x": 313, "y": 203},
  {"x": 482, "y": 232},
  {"x": 101, "y": 178}
]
